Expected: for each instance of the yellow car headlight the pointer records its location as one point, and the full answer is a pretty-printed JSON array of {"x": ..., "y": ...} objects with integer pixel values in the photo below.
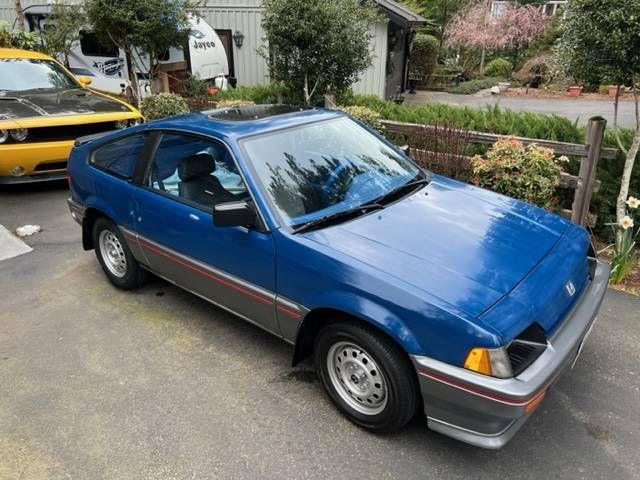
[{"x": 4, "y": 136}]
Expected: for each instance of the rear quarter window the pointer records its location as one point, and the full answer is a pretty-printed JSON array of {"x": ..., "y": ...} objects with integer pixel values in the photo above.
[{"x": 119, "y": 157}]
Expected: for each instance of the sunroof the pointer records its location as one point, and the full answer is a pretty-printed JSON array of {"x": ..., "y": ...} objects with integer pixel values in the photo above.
[{"x": 244, "y": 113}]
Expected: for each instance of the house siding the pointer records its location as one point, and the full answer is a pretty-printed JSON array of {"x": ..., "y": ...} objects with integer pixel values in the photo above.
[{"x": 373, "y": 80}]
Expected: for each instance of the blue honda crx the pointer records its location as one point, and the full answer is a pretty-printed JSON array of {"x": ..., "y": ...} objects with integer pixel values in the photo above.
[{"x": 410, "y": 290}]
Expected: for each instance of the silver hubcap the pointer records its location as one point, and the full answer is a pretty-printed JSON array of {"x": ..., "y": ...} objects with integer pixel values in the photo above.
[
  {"x": 357, "y": 378},
  {"x": 113, "y": 253}
]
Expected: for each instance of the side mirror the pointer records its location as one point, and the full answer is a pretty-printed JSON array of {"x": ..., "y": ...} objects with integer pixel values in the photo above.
[
  {"x": 235, "y": 214},
  {"x": 404, "y": 149},
  {"x": 84, "y": 80}
]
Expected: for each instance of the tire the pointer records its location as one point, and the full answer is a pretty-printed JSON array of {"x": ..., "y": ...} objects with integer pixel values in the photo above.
[
  {"x": 367, "y": 376},
  {"x": 113, "y": 253}
]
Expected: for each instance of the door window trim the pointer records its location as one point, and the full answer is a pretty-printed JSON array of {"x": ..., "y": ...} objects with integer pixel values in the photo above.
[{"x": 148, "y": 157}]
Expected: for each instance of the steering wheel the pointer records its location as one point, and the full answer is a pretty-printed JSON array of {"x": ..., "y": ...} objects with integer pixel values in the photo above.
[{"x": 328, "y": 186}]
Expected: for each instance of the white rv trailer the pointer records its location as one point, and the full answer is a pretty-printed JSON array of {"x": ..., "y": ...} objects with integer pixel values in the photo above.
[{"x": 205, "y": 57}]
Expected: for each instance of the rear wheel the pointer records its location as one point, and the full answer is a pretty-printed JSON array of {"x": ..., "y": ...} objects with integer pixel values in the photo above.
[
  {"x": 115, "y": 257},
  {"x": 367, "y": 376}
]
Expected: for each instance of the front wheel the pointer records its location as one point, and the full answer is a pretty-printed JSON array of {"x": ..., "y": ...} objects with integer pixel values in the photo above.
[
  {"x": 115, "y": 257},
  {"x": 367, "y": 376}
]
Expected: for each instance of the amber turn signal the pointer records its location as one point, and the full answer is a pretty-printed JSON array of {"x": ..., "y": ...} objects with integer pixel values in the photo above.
[
  {"x": 478, "y": 361},
  {"x": 535, "y": 402}
]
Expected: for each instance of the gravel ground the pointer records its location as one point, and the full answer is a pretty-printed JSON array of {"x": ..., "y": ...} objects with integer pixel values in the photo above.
[{"x": 97, "y": 383}]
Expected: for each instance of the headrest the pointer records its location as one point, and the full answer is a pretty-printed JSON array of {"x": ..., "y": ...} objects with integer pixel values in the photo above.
[{"x": 194, "y": 166}]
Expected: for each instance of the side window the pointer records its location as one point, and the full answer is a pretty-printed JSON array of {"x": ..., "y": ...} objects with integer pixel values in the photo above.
[
  {"x": 198, "y": 171},
  {"x": 91, "y": 46},
  {"x": 121, "y": 156}
]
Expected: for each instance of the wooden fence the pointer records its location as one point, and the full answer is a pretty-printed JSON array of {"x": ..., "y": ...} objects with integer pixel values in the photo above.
[{"x": 584, "y": 184}]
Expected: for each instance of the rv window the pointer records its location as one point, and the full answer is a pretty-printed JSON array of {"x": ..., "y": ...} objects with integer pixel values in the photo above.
[{"x": 91, "y": 46}]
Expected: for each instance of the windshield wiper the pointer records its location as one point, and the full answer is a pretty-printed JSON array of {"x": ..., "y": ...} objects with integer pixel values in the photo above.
[
  {"x": 418, "y": 180},
  {"x": 337, "y": 216}
]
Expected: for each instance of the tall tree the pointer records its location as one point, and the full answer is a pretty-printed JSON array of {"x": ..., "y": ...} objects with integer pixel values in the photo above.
[
  {"x": 600, "y": 41},
  {"x": 19, "y": 14},
  {"x": 437, "y": 12},
  {"x": 150, "y": 27},
  {"x": 317, "y": 46},
  {"x": 65, "y": 31},
  {"x": 476, "y": 27}
]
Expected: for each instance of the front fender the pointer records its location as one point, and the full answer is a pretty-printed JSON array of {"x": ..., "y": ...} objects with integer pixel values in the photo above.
[{"x": 368, "y": 311}]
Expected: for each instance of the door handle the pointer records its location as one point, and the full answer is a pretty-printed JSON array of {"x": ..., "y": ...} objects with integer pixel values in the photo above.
[{"x": 194, "y": 217}]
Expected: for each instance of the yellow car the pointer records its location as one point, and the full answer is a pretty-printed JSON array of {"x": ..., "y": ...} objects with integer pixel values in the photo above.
[{"x": 43, "y": 109}]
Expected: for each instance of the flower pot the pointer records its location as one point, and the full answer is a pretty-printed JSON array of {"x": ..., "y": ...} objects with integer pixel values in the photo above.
[
  {"x": 613, "y": 90},
  {"x": 575, "y": 91}
]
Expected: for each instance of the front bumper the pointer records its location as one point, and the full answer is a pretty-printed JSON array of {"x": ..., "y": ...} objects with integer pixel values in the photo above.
[
  {"x": 486, "y": 411},
  {"x": 41, "y": 161}
]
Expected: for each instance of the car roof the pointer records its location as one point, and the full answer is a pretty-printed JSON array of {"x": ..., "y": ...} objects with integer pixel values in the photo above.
[
  {"x": 17, "y": 53},
  {"x": 246, "y": 120}
]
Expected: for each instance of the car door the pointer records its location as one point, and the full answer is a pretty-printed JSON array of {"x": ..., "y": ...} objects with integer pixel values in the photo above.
[{"x": 233, "y": 267}]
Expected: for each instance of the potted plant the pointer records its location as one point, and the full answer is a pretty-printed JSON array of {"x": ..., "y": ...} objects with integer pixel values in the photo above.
[
  {"x": 575, "y": 90},
  {"x": 613, "y": 90}
]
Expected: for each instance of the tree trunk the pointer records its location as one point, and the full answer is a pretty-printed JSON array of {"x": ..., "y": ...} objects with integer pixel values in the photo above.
[
  {"x": 307, "y": 97},
  {"x": 621, "y": 206},
  {"x": 133, "y": 77},
  {"x": 19, "y": 15}
]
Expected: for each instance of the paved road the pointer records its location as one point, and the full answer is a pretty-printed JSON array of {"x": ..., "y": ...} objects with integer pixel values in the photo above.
[
  {"x": 573, "y": 109},
  {"x": 97, "y": 383}
]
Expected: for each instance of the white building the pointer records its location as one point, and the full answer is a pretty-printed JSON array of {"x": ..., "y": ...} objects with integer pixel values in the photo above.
[{"x": 238, "y": 24}]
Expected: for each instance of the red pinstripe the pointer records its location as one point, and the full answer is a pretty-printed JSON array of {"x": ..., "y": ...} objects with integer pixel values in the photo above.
[
  {"x": 482, "y": 393},
  {"x": 221, "y": 280}
]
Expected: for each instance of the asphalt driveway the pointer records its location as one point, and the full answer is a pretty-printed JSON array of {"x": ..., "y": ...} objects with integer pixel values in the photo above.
[{"x": 157, "y": 384}]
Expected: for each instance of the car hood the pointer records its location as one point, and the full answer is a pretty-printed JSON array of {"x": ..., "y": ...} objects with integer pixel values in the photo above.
[
  {"x": 467, "y": 246},
  {"x": 52, "y": 104}
]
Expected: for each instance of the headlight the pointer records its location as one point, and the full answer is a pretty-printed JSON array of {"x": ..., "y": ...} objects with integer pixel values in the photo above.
[
  {"x": 20, "y": 134},
  {"x": 489, "y": 361},
  {"x": 120, "y": 124},
  {"x": 4, "y": 136}
]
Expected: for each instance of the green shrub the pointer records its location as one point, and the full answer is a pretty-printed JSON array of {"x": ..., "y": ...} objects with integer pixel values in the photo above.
[
  {"x": 194, "y": 87},
  {"x": 530, "y": 173},
  {"x": 490, "y": 119},
  {"x": 474, "y": 86},
  {"x": 500, "y": 67},
  {"x": 424, "y": 56},
  {"x": 17, "y": 38},
  {"x": 365, "y": 115},
  {"x": 163, "y": 105}
]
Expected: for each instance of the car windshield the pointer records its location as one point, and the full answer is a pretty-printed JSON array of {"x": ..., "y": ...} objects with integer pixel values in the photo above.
[
  {"x": 324, "y": 168},
  {"x": 22, "y": 74}
]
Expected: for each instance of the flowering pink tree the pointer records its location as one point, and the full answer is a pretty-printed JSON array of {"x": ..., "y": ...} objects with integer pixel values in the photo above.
[{"x": 476, "y": 27}]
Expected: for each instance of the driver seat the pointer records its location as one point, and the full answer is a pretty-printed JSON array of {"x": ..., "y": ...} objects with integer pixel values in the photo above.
[{"x": 197, "y": 183}]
